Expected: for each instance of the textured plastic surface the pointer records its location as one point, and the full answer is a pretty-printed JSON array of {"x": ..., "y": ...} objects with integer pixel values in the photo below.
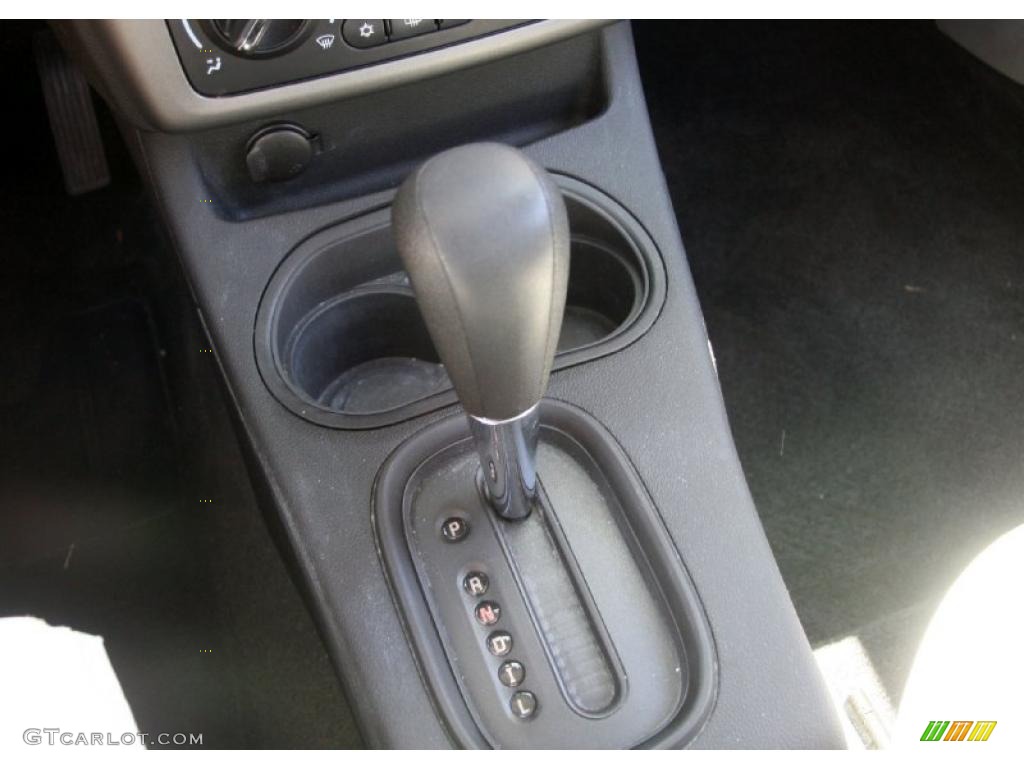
[
  {"x": 560, "y": 603},
  {"x": 484, "y": 236},
  {"x": 612, "y": 659}
]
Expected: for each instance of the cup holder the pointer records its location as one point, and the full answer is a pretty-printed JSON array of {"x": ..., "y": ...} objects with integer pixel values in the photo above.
[
  {"x": 604, "y": 291},
  {"x": 386, "y": 359},
  {"x": 341, "y": 342}
]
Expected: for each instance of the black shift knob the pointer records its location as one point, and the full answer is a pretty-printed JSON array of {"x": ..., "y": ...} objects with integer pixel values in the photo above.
[{"x": 484, "y": 236}]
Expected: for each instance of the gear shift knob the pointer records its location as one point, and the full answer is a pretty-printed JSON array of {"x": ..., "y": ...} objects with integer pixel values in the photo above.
[{"x": 483, "y": 233}]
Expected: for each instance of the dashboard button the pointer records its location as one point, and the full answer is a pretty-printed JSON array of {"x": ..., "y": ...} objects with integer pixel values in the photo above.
[
  {"x": 364, "y": 33},
  {"x": 403, "y": 28},
  {"x": 449, "y": 23}
]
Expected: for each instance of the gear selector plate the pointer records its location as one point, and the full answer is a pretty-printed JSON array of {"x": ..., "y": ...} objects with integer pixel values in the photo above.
[{"x": 577, "y": 627}]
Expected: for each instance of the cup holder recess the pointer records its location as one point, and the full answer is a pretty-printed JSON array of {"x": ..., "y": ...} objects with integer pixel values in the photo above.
[
  {"x": 387, "y": 359},
  {"x": 339, "y": 336}
]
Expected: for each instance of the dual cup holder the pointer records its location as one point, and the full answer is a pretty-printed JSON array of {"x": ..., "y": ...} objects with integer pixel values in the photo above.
[{"x": 340, "y": 340}]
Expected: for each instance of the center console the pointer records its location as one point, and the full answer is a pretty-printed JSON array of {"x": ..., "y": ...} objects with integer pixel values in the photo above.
[{"x": 483, "y": 414}]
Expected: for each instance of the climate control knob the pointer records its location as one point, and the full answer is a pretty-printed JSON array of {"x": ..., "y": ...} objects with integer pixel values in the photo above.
[{"x": 257, "y": 38}]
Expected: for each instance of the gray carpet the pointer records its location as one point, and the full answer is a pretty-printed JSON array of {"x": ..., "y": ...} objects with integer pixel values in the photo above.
[{"x": 852, "y": 201}]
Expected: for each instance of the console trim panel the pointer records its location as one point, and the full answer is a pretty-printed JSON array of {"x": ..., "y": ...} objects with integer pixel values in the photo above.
[{"x": 646, "y": 532}]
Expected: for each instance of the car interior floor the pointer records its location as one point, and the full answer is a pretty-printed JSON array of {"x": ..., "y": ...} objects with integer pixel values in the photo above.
[
  {"x": 125, "y": 507},
  {"x": 851, "y": 197}
]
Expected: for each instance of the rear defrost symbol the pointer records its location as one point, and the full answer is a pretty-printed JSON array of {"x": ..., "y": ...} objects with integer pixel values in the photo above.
[{"x": 325, "y": 41}]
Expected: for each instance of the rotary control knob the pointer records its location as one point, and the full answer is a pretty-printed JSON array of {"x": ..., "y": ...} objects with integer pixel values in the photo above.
[{"x": 257, "y": 38}]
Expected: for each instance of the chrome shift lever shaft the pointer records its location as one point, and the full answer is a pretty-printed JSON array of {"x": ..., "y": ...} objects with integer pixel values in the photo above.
[{"x": 508, "y": 461}]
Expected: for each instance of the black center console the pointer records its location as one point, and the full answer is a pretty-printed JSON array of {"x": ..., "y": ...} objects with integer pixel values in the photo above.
[{"x": 637, "y": 603}]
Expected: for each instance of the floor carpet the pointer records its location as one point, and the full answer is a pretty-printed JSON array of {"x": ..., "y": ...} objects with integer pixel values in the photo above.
[
  {"x": 851, "y": 197},
  {"x": 125, "y": 507}
]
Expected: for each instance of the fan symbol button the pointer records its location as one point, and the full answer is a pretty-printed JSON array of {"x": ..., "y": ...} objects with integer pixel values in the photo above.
[{"x": 366, "y": 30}]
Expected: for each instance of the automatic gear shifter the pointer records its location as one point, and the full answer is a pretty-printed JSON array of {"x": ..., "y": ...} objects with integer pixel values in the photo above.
[
  {"x": 484, "y": 236},
  {"x": 532, "y": 630}
]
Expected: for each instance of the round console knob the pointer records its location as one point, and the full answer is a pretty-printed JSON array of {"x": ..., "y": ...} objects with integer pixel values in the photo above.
[{"x": 258, "y": 37}]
